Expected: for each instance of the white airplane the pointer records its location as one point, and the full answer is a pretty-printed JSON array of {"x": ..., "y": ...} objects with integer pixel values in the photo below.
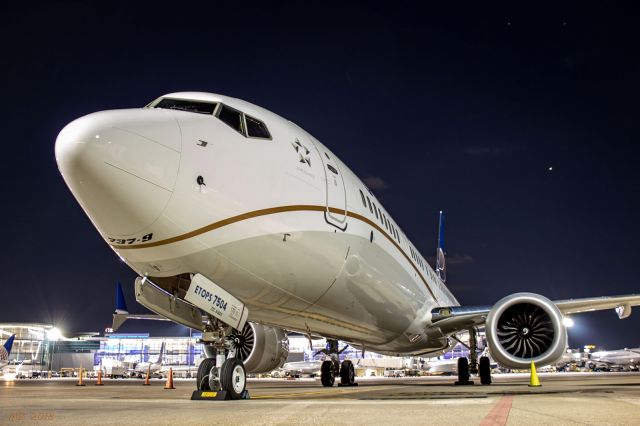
[
  {"x": 302, "y": 368},
  {"x": 226, "y": 209},
  {"x": 5, "y": 351},
  {"x": 450, "y": 365},
  {"x": 152, "y": 367},
  {"x": 621, "y": 359}
]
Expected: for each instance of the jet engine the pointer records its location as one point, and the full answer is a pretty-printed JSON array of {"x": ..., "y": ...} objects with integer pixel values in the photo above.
[
  {"x": 525, "y": 327},
  {"x": 262, "y": 348}
]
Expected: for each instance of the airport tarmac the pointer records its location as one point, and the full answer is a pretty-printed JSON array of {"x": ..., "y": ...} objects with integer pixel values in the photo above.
[{"x": 566, "y": 398}]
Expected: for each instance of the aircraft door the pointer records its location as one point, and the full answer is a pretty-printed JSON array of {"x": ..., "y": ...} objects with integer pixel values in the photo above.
[{"x": 336, "y": 195}]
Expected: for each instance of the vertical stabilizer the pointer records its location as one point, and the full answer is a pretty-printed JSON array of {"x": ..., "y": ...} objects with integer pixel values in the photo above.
[
  {"x": 121, "y": 305},
  {"x": 161, "y": 354},
  {"x": 9, "y": 344},
  {"x": 441, "y": 268}
]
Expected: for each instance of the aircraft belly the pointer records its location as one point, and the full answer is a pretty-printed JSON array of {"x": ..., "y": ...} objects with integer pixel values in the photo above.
[
  {"x": 372, "y": 292},
  {"x": 305, "y": 265},
  {"x": 330, "y": 283},
  {"x": 294, "y": 275}
]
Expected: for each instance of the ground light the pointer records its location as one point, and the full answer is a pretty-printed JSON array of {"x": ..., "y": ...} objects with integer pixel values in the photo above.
[{"x": 53, "y": 334}]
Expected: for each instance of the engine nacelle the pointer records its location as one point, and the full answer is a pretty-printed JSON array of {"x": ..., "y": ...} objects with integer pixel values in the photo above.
[
  {"x": 525, "y": 327},
  {"x": 262, "y": 348}
]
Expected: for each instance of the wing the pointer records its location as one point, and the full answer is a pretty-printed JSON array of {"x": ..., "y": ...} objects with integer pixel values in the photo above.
[
  {"x": 450, "y": 320},
  {"x": 622, "y": 304}
]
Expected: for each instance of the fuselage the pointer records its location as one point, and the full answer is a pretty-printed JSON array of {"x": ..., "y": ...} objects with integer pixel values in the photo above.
[{"x": 275, "y": 219}]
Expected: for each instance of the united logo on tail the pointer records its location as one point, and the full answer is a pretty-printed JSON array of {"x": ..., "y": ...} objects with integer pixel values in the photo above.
[{"x": 5, "y": 350}]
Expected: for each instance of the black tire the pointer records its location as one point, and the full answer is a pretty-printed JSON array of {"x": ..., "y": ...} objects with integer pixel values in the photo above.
[
  {"x": 202, "y": 379},
  {"x": 463, "y": 370},
  {"x": 485, "y": 370},
  {"x": 326, "y": 374},
  {"x": 347, "y": 373},
  {"x": 233, "y": 378}
]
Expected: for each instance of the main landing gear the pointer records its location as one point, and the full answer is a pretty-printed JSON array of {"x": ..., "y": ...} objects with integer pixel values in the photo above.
[
  {"x": 332, "y": 367},
  {"x": 466, "y": 367},
  {"x": 221, "y": 374}
]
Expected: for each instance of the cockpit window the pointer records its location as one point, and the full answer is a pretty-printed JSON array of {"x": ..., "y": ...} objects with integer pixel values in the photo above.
[
  {"x": 256, "y": 128},
  {"x": 232, "y": 117},
  {"x": 186, "y": 105}
]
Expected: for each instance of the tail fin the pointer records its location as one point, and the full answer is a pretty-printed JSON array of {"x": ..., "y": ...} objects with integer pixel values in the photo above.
[
  {"x": 9, "y": 344},
  {"x": 161, "y": 354},
  {"x": 441, "y": 268},
  {"x": 121, "y": 305}
]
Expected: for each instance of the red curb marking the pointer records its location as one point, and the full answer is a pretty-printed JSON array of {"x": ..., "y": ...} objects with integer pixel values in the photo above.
[{"x": 499, "y": 413}]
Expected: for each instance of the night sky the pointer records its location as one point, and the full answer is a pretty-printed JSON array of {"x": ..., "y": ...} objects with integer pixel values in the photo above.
[{"x": 521, "y": 124}]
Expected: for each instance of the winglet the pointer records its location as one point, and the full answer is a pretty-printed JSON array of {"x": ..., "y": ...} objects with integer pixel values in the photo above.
[
  {"x": 441, "y": 268},
  {"x": 121, "y": 304},
  {"x": 9, "y": 343}
]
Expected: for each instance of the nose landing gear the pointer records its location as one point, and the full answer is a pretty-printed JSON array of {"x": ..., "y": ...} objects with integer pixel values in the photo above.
[{"x": 222, "y": 376}]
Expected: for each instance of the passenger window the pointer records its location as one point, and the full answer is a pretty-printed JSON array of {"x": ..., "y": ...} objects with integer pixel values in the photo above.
[
  {"x": 231, "y": 117},
  {"x": 333, "y": 169},
  {"x": 375, "y": 210},
  {"x": 369, "y": 202},
  {"x": 256, "y": 128},
  {"x": 364, "y": 202}
]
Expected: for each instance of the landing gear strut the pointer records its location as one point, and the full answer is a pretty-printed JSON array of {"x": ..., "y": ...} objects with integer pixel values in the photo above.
[
  {"x": 331, "y": 368},
  {"x": 473, "y": 354},
  {"x": 221, "y": 372}
]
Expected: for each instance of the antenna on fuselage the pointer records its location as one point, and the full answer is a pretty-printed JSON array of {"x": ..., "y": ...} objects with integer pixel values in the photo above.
[{"x": 441, "y": 268}]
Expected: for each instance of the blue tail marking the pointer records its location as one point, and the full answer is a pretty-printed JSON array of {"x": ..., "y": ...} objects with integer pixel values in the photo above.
[
  {"x": 9, "y": 343},
  {"x": 121, "y": 304}
]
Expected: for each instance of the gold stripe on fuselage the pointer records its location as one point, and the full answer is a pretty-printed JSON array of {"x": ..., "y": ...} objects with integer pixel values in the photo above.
[{"x": 274, "y": 210}]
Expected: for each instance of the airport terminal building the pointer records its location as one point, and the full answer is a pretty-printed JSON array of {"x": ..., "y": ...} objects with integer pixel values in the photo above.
[{"x": 42, "y": 347}]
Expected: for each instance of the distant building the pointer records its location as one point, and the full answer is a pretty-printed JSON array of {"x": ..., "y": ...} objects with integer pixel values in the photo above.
[
  {"x": 33, "y": 344},
  {"x": 41, "y": 347}
]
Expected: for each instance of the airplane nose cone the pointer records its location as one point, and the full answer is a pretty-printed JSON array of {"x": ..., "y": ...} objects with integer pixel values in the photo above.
[{"x": 121, "y": 166}]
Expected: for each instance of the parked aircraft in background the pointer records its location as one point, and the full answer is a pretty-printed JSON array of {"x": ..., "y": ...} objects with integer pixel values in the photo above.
[
  {"x": 5, "y": 351},
  {"x": 227, "y": 209},
  {"x": 140, "y": 369},
  {"x": 621, "y": 359},
  {"x": 302, "y": 368}
]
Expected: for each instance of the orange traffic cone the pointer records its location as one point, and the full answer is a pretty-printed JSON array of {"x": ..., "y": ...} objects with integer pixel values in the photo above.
[
  {"x": 169, "y": 384},
  {"x": 80, "y": 382},
  {"x": 99, "y": 382},
  {"x": 146, "y": 379}
]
